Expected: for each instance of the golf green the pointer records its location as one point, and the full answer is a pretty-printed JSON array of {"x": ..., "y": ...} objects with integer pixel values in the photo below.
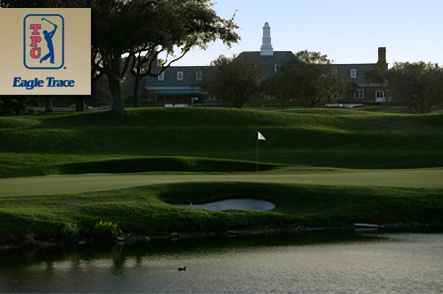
[{"x": 416, "y": 178}]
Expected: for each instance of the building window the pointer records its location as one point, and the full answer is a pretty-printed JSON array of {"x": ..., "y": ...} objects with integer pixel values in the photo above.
[
  {"x": 382, "y": 96},
  {"x": 379, "y": 94},
  {"x": 179, "y": 76},
  {"x": 359, "y": 94},
  {"x": 161, "y": 77},
  {"x": 198, "y": 75},
  {"x": 353, "y": 73}
]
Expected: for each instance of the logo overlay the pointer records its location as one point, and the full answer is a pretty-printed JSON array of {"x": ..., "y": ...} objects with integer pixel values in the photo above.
[
  {"x": 45, "y": 51},
  {"x": 43, "y": 42}
]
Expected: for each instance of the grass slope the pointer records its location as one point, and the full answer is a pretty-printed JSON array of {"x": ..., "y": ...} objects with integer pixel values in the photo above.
[
  {"x": 218, "y": 140},
  {"x": 337, "y": 138},
  {"x": 146, "y": 210}
]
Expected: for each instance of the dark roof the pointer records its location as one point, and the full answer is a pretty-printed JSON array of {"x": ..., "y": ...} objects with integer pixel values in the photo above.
[
  {"x": 170, "y": 77},
  {"x": 268, "y": 61},
  {"x": 345, "y": 71},
  {"x": 190, "y": 83},
  {"x": 189, "y": 72}
]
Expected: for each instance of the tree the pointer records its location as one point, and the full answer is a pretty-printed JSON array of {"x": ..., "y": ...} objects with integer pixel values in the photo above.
[
  {"x": 377, "y": 75},
  {"x": 15, "y": 105},
  {"x": 418, "y": 85},
  {"x": 306, "y": 79},
  {"x": 151, "y": 26},
  {"x": 141, "y": 28},
  {"x": 141, "y": 67},
  {"x": 233, "y": 81},
  {"x": 311, "y": 57},
  {"x": 281, "y": 85}
]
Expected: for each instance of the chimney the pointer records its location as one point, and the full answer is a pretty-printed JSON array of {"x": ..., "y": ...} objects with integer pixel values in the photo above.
[{"x": 381, "y": 55}]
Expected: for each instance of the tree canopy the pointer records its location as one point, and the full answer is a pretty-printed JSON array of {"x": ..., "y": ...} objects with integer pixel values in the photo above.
[
  {"x": 418, "y": 85},
  {"x": 233, "y": 81},
  {"x": 307, "y": 80},
  {"x": 143, "y": 29},
  {"x": 146, "y": 28},
  {"x": 377, "y": 75}
]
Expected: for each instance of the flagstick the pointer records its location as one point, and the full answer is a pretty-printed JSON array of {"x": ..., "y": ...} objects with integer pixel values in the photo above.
[
  {"x": 259, "y": 137},
  {"x": 257, "y": 155}
]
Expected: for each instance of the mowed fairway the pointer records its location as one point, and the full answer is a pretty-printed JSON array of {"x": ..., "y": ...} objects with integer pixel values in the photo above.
[
  {"x": 414, "y": 178},
  {"x": 64, "y": 175}
]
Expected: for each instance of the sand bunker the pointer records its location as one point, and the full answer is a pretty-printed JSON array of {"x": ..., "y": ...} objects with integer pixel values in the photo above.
[{"x": 242, "y": 204}]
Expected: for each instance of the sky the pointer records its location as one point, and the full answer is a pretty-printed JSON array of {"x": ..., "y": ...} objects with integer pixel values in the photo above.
[{"x": 347, "y": 31}]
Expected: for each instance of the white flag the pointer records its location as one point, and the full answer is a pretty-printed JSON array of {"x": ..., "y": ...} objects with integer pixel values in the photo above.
[{"x": 261, "y": 137}]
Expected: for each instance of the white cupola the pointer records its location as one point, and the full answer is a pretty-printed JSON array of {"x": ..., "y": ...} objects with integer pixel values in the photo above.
[{"x": 266, "y": 47}]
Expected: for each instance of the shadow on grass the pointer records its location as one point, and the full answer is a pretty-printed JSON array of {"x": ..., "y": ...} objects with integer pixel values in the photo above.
[{"x": 181, "y": 164}]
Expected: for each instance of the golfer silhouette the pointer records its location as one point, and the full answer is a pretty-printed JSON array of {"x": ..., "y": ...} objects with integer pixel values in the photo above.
[{"x": 48, "y": 38}]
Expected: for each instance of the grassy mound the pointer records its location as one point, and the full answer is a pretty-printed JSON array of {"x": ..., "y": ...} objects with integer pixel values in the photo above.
[
  {"x": 215, "y": 140},
  {"x": 337, "y": 138},
  {"x": 145, "y": 210}
]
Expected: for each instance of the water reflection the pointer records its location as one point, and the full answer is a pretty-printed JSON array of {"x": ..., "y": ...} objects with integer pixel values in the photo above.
[
  {"x": 118, "y": 256},
  {"x": 308, "y": 262}
]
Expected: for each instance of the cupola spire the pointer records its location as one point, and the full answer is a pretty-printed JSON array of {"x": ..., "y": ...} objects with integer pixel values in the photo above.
[{"x": 266, "y": 47}]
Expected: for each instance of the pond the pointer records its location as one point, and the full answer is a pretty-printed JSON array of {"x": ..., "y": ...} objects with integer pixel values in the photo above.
[{"x": 316, "y": 262}]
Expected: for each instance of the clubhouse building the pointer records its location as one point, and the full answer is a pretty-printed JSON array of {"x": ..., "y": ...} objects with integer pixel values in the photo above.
[{"x": 180, "y": 85}]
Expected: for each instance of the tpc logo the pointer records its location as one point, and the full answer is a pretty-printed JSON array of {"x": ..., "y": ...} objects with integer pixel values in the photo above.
[{"x": 43, "y": 41}]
